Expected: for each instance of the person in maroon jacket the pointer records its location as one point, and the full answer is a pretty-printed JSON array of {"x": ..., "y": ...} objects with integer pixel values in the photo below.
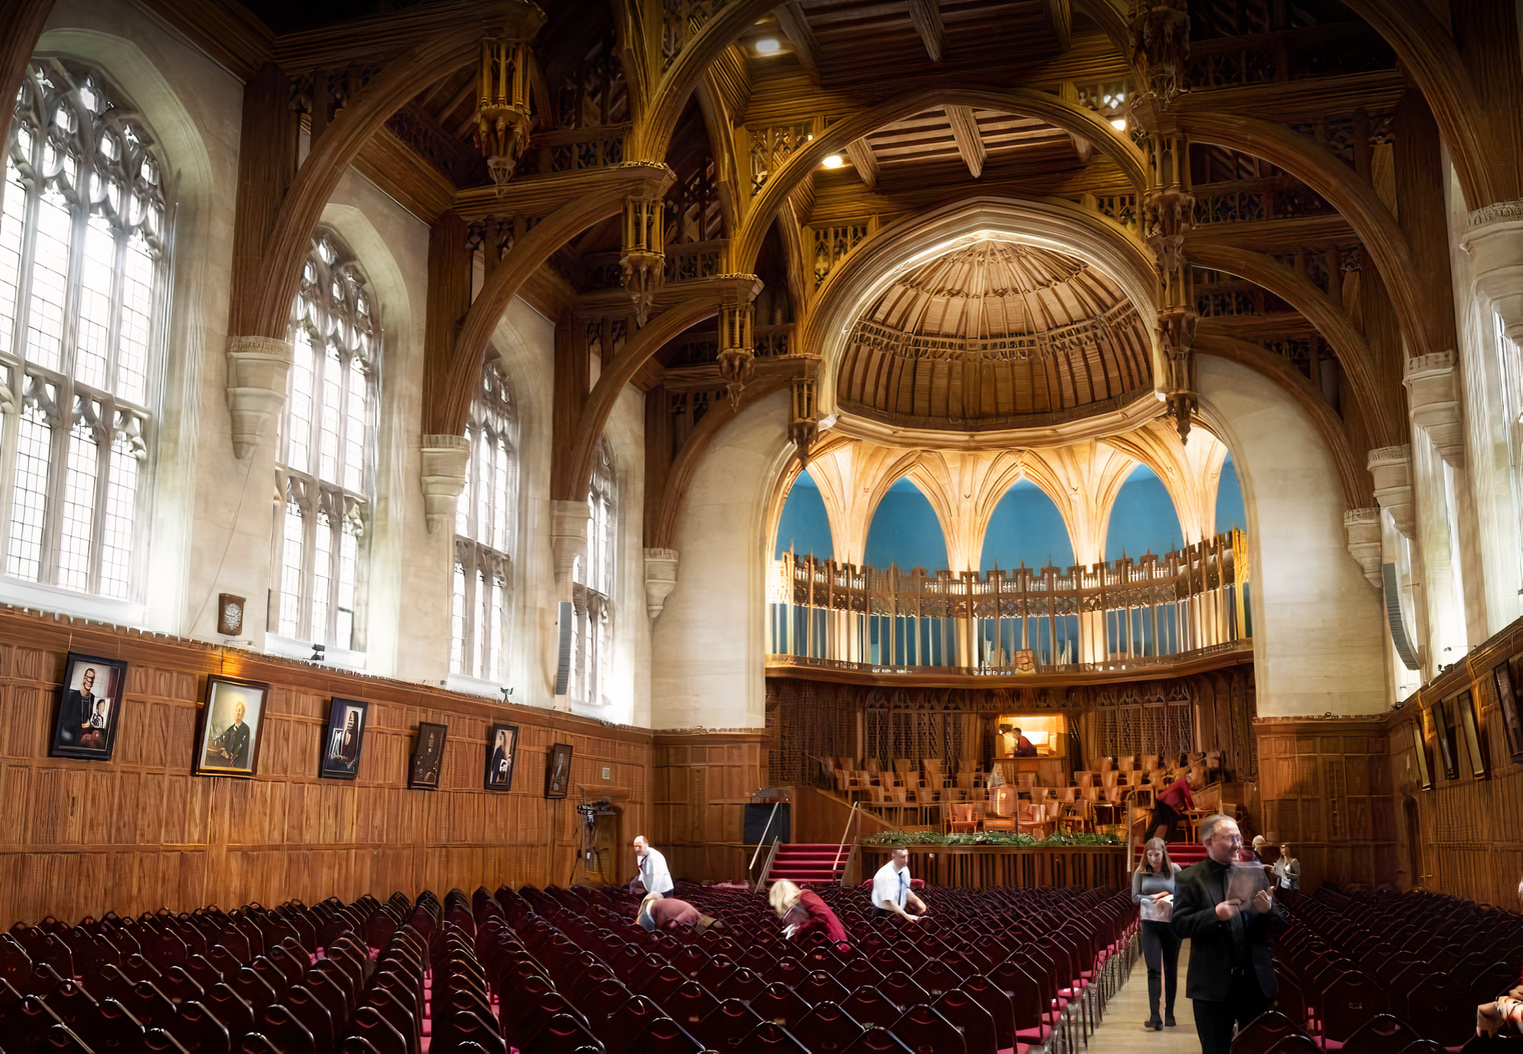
[
  {"x": 1503, "y": 1016},
  {"x": 802, "y": 910},
  {"x": 666, "y": 913},
  {"x": 1169, "y": 804}
]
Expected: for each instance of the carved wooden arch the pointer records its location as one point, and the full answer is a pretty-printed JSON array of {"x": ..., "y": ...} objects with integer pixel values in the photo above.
[
  {"x": 1352, "y": 474},
  {"x": 661, "y": 530},
  {"x": 1428, "y": 54},
  {"x": 1331, "y": 321},
  {"x": 1045, "y": 106},
  {"x": 717, "y": 123},
  {"x": 651, "y": 135},
  {"x": 1064, "y": 224},
  {"x": 1320, "y": 169},
  {"x": 448, "y": 387},
  {"x": 1033, "y": 467},
  {"x": 569, "y": 479},
  {"x": 1160, "y": 453},
  {"x": 265, "y": 309}
]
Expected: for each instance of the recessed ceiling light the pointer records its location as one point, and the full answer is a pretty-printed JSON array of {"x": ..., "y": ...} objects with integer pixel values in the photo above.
[
  {"x": 1118, "y": 123},
  {"x": 833, "y": 161},
  {"x": 768, "y": 46}
]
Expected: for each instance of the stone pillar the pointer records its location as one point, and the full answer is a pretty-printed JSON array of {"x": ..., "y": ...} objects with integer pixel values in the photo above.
[
  {"x": 442, "y": 466},
  {"x": 256, "y": 387},
  {"x": 1494, "y": 240},
  {"x": 660, "y": 578},
  {"x": 1362, "y": 526},
  {"x": 1391, "y": 469},
  {"x": 568, "y": 537},
  {"x": 1433, "y": 399}
]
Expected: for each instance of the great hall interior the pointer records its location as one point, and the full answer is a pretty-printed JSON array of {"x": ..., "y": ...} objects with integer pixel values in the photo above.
[{"x": 792, "y": 430}]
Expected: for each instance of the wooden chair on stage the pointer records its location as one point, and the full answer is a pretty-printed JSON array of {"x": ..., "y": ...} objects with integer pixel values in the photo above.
[
  {"x": 1003, "y": 803},
  {"x": 964, "y": 816}
]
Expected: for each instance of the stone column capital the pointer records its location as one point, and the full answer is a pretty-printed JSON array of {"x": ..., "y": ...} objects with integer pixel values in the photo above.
[
  {"x": 568, "y": 535},
  {"x": 1362, "y": 528},
  {"x": 1434, "y": 403},
  {"x": 443, "y": 463},
  {"x": 257, "y": 368},
  {"x": 660, "y": 578},
  {"x": 1391, "y": 469}
]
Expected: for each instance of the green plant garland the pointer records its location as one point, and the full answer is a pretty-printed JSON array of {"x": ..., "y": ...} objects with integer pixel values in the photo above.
[{"x": 992, "y": 838}]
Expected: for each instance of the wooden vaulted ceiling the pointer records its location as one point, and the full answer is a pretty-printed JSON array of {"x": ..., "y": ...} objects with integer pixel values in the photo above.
[{"x": 995, "y": 334}]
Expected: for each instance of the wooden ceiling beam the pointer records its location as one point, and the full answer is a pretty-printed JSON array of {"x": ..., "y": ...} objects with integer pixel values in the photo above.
[
  {"x": 926, "y": 15},
  {"x": 860, "y": 152},
  {"x": 380, "y": 36},
  {"x": 969, "y": 143},
  {"x": 1060, "y": 20},
  {"x": 790, "y": 18}
]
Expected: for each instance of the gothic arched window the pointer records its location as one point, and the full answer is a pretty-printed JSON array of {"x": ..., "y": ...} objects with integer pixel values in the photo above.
[
  {"x": 486, "y": 521},
  {"x": 326, "y": 473},
  {"x": 84, "y": 259},
  {"x": 593, "y": 584}
]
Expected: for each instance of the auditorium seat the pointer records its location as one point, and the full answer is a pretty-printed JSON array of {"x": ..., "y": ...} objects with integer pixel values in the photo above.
[
  {"x": 868, "y": 1006},
  {"x": 624, "y": 1023},
  {"x": 780, "y": 1005},
  {"x": 666, "y": 1036},
  {"x": 1381, "y": 1034},
  {"x": 830, "y": 1029},
  {"x": 876, "y": 1041},
  {"x": 770, "y": 1038},
  {"x": 1263, "y": 1033},
  {"x": 922, "y": 1028}
]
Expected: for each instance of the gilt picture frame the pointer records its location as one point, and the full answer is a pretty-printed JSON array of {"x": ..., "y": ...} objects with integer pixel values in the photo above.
[
  {"x": 231, "y": 727},
  {"x": 1470, "y": 731},
  {"x": 1505, "y": 683}
]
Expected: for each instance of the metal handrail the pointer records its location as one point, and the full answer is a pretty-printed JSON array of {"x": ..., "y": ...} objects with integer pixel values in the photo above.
[
  {"x": 763, "y": 840},
  {"x": 767, "y": 867},
  {"x": 836, "y": 864}
]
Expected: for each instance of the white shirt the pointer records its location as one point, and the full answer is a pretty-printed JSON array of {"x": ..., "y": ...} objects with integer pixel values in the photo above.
[
  {"x": 653, "y": 873},
  {"x": 891, "y": 884}
]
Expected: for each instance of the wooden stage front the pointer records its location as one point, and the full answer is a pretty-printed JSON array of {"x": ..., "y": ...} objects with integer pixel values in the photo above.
[{"x": 993, "y": 866}]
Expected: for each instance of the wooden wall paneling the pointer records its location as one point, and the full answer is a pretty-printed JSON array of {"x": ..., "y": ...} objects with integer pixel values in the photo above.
[
  {"x": 140, "y": 832},
  {"x": 702, "y": 782}
]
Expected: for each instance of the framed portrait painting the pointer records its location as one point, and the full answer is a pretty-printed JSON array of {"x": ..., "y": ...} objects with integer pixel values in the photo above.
[
  {"x": 89, "y": 704},
  {"x": 1443, "y": 731},
  {"x": 1470, "y": 730},
  {"x": 343, "y": 737},
  {"x": 502, "y": 746},
  {"x": 558, "y": 771},
  {"x": 1507, "y": 702},
  {"x": 1424, "y": 769},
  {"x": 232, "y": 719},
  {"x": 427, "y": 757}
]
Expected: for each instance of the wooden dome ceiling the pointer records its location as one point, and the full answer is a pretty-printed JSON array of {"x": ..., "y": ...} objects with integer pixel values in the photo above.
[{"x": 993, "y": 335}]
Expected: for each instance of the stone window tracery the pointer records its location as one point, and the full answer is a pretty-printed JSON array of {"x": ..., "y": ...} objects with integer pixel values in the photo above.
[
  {"x": 84, "y": 253},
  {"x": 486, "y": 521},
  {"x": 325, "y": 467},
  {"x": 593, "y": 578}
]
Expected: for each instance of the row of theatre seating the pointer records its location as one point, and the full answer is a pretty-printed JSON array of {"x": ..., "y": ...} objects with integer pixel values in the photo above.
[
  {"x": 567, "y": 972},
  {"x": 1386, "y": 973}
]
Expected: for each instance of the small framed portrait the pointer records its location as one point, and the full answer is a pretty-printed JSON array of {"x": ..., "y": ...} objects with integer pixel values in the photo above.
[
  {"x": 1464, "y": 708},
  {"x": 502, "y": 745},
  {"x": 1424, "y": 768},
  {"x": 1507, "y": 701},
  {"x": 1443, "y": 731},
  {"x": 343, "y": 737},
  {"x": 427, "y": 757},
  {"x": 89, "y": 703},
  {"x": 558, "y": 771},
  {"x": 232, "y": 719}
]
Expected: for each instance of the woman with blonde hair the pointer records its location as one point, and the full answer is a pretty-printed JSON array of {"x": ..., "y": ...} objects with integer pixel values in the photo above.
[
  {"x": 1153, "y": 890},
  {"x": 802, "y": 910}
]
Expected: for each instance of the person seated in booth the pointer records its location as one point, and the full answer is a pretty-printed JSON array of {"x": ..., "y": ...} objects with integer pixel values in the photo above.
[
  {"x": 803, "y": 910},
  {"x": 1024, "y": 748},
  {"x": 1504, "y": 1015}
]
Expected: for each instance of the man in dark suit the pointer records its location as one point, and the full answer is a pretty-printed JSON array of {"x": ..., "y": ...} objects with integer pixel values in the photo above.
[
  {"x": 78, "y": 708},
  {"x": 1231, "y": 978},
  {"x": 235, "y": 740}
]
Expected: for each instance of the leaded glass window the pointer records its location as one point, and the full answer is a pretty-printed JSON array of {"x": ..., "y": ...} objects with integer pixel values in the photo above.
[
  {"x": 486, "y": 521},
  {"x": 325, "y": 476},
  {"x": 84, "y": 252},
  {"x": 593, "y": 585}
]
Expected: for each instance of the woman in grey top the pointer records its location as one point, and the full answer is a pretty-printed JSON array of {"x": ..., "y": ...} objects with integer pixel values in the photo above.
[
  {"x": 1153, "y": 890},
  {"x": 1287, "y": 870}
]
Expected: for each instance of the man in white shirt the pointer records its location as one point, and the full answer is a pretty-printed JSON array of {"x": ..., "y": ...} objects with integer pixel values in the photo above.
[
  {"x": 891, "y": 889},
  {"x": 653, "y": 872}
]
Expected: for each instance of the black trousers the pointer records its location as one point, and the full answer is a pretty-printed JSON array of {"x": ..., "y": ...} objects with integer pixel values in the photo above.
[
  {"x": 1165, "y": 816},
  {"x": 1214, "y": 1021},
  {"x": 1160, "y": 950}
]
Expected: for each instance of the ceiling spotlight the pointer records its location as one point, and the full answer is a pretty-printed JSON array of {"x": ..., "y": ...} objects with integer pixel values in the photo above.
[
  {"x": 1118, "y": 123},
  {"x": 833, "y": 161},
  {"x": 768, "y": 46}
]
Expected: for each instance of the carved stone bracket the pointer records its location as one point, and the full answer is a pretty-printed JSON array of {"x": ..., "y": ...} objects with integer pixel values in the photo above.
[
  {"x": 1362, "y": 528},
  {"x": 1391, "y": 469},
  {"x": 643, "y": 260},
  {"x": 1432, "y": 395},
  {"x": 1494, "y": 240},
  {"x": 1161, "y": 42},
  {"x": 804, "y": 421},
  {"x": 660, "y": 578},
  {"x": 443, "y": 465},
  {"x": 256, "y": 387},
  {"x": 737, "y": 339},
  {"x": 1176, "y": 331},
  {"x": 568, "y": 535}
]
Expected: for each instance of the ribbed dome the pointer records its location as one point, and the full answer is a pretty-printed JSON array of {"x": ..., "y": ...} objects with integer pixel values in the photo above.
[{"x": 993, "y": 334}]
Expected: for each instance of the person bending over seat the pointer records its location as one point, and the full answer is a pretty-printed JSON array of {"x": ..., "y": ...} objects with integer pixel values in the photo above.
[
  {"x": 891, "y": 889},
  {"x": 1169, "y": 804},
  {"x": 669, "y": 913},
  {"x": 803, "y": 910},
  {"x": 1504, "y": 1016}
]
